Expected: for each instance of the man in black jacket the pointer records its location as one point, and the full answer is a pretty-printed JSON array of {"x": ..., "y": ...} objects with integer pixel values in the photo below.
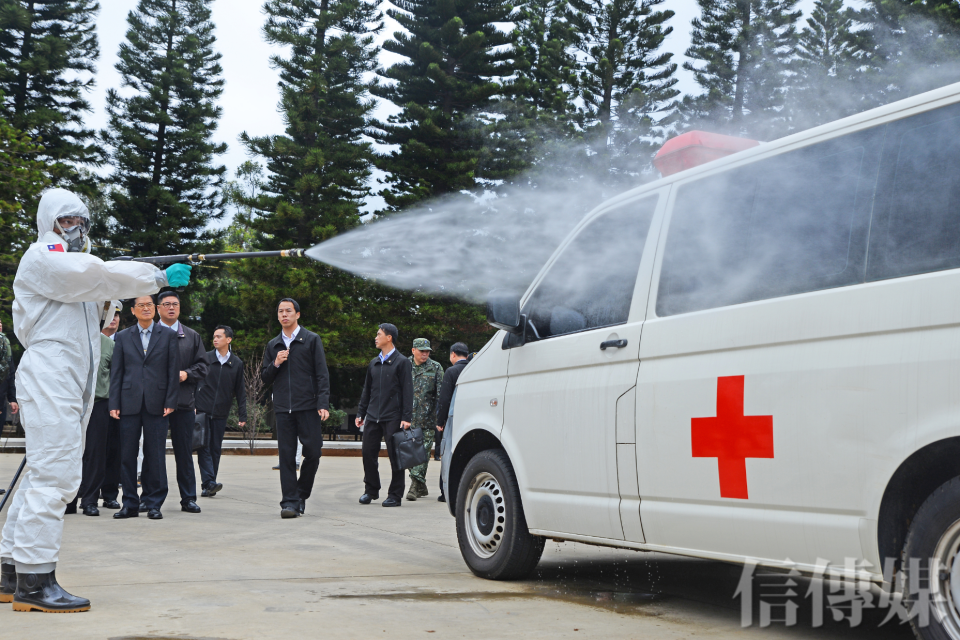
[
  {"x": 193, "y": 369},
  {"x": 295, "y": 365},
  {"x": 386, "y": 406},
  {"x": 459, "y": 357},
  {"x": 224, "y": 382},
  {"x": 144, "y": 384}
]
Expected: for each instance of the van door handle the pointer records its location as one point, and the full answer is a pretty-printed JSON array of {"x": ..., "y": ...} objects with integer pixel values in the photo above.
[{"x": 619, "y": 344}]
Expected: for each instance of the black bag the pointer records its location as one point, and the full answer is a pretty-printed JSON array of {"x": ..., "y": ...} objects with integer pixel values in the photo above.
[
  {"x": 410, "y": 449},
  {"x": 201, "y": 432}
]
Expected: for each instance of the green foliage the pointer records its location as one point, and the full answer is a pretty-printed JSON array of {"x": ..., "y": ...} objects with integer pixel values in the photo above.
[
  {"x": 160, "y": 133},
  {"x": 746, "y": 50},
  {"x": 22, "y": 178},
  {"x": 626, "y": 80},
  {"x": 833, "y": 77},
  {"x": 454, "y": 56},
  {"x": 48, "y": 51}
]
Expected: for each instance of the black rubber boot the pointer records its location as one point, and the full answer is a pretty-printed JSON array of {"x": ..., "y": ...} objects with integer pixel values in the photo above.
[
  {"x": 8, "y": 582},
  {"x": 40, "y": 592}
]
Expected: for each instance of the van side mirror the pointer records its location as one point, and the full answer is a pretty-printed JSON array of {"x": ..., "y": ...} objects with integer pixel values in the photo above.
[{"x": 503, "y": 311}]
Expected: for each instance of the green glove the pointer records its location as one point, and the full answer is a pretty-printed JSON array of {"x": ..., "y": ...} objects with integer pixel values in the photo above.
[{"x": 178, "y": 275}]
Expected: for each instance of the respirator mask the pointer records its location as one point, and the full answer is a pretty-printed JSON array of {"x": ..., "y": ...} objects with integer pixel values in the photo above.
[{"x": 74, "y": 230}]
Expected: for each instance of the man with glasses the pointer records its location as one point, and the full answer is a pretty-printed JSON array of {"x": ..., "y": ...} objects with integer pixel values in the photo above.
[
  {"x": 144, "y": 389},
  {"x": 193, "y": 369},
  {"x": 59, "y": 295}
]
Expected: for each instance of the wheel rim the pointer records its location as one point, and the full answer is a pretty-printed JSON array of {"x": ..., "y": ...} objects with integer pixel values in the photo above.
[
  {"x": 486, "y": 515},
  {"x": 946, "y": 599}
]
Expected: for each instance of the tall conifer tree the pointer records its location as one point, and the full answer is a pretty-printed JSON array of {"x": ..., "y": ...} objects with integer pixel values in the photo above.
[
  {"x": 455, "y": 55},
  {"x": 161, "y": 132},
  {"x": 22, "y": 178},
  {"x": 539, "y": 119},
  {"x": 830, "y": 75},
  {"x": 318, "y": 170},
  {"x": 48, "y": 53},
  {"x": 744, "y": 51},
  {"x": 626, "y": 79}
]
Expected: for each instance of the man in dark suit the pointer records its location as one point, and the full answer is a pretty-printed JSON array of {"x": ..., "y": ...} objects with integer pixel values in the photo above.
[
  {"x": 294, "y": 363},
  {"x": 193, "y": 369},
  {"x": 144, "y": 385},
  {"x": 386, "y": 406}
]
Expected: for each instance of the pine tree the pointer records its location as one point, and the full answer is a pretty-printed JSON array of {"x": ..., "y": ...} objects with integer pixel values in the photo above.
[
  {"x": 747, "y": 48},
  {"x": 22, "y": 178},
  {"x": 455, "y": 56},
  {"x": 538, "y": 120},
  {"x": 626, "y": 79},
  {"x": 830, "y": 79},
  {"x": 166, "y": 184},
  {"x": 320, "y": 166},
  {"x": 911, "y": 46},
  {"x": 48, "y": 52},
  {"x": 318, "y": 172}
]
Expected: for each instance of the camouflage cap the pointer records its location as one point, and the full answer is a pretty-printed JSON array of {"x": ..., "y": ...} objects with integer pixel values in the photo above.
[{"x": 422, "y": 344}]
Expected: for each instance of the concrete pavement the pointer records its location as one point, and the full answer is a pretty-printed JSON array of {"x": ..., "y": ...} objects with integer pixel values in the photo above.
[{"x": 238, "y": 571}]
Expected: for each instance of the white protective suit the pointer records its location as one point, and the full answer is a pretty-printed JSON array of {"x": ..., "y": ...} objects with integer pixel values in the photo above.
[{"x": 58, "y": 301}]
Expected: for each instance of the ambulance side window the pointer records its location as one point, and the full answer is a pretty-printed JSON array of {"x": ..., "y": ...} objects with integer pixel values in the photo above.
[
  {"x": 917, "y": 224},
  {"x": 785, "y": 225},
  {"x": 591, "y": 283}
]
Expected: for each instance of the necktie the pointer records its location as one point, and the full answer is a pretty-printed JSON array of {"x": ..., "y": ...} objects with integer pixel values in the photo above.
[{"x": 144, "y": 339}]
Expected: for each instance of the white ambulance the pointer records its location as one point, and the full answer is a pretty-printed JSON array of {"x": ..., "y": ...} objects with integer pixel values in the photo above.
[{"x": 753, "y": 360}]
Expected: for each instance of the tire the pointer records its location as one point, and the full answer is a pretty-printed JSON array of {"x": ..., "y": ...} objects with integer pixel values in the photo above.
[
  {"x": 935, "y": 534},
  {"x": 491, "y": 528}
]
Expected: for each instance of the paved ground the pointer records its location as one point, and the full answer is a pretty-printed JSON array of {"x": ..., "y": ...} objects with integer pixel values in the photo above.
[{"x": 238, "y": 571}]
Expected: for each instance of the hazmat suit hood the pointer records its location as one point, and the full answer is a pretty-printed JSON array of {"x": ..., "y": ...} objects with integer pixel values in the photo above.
[{"x": 57, "y": 203}]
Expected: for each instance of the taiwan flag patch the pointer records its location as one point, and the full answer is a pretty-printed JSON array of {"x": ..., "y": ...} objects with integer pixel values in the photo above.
[{"x": 55, "y": 247}]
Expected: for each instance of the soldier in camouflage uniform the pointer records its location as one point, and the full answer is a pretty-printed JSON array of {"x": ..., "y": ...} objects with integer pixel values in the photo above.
[{"x": 427, "y": 377}]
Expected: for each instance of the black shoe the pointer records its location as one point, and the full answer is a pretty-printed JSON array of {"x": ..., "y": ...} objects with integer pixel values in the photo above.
[
  {"x": 190, "y": 507},
  {"x": 91, "y": 510},
  {"x": 111, "y": 504},
  {"x": 213, "y": 489},
  {"x": 142, "y": 508},
  {"x": 276, "y": 468},
  {"x": 8, "y": 582},
  {"x": 126, "y": 512},
  {"x": 71, "y": 509},
  {"x": 289, "y": 512},
  {"x": 2, "y": 491},
  {"x": 204, "y": 494},
  {"x": 154, "y": 514},
  {"x": 367, "y": 498},
  {"x": 303, "y": 506},
  {"x": 390, "y": 502},
  {"x": 441, "y": 498},
  {"x": 40, "y": 592}
]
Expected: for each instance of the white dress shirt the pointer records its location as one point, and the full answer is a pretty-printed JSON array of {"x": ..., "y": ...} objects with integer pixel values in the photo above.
[{"x": 293, "y": 336}]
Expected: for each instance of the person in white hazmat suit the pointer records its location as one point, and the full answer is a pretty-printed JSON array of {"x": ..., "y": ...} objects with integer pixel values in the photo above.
[{"x": 59, "y": 295}]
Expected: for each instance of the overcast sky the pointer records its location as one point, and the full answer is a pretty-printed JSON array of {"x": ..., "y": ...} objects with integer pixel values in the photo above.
[{"x": 250, "y": 96}]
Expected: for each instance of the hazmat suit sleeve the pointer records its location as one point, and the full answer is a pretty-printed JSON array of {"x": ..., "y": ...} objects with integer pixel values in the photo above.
[{"x": 81, "y": 277}]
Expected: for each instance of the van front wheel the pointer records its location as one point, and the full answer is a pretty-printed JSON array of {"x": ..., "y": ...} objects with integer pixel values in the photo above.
[
  {"x": 491, "y": 528},
  {"x": 933, "y": 541}
]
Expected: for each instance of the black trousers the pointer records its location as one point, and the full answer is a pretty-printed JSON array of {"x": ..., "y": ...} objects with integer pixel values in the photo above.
[
  {"x": 94, "y": 454},
  {"x": 437, "y": 439},
  {"x": 181, "y": 437},
  {"x": 208, "y": 458},
  {"x": 373, "y": 434},
  {"x": 307, "y": 427},
  {"x": 154, "y": 476},
  {"x": 109, "y": 490}
]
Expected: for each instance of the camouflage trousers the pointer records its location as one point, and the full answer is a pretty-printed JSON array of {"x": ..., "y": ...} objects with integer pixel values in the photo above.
[{"x": 419, "y": 472}]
